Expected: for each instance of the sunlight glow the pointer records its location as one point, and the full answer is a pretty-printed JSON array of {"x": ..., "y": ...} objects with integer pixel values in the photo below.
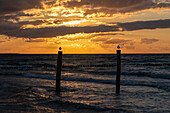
[{"x": 71, "y": 23}]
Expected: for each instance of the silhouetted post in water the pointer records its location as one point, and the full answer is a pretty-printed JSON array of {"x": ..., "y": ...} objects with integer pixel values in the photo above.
[
  {"x": 118, "y": 70},
  {"x": 58, "y": 74}
]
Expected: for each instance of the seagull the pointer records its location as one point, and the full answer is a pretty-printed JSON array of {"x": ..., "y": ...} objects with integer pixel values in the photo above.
[
  {"x": 118, "y": 47},
  {"x": 60, "y": 48}
]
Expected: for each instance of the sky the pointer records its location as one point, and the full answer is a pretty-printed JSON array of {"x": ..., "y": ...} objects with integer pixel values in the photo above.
[{"x": 84, "y": 26}]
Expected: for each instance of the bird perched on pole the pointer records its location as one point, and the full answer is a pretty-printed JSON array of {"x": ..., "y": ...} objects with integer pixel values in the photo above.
[
  {"x": 118, "y": 47},
  {"x": 60, "y": 48}
]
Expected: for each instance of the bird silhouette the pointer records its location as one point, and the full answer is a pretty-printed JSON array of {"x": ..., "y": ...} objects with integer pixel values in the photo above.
[
  {"x": 60, "y": 48},
  {"x": 118, "y": 47}
]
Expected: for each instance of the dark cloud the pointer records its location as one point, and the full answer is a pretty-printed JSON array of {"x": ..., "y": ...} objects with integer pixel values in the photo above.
[
  {"x": 112, "y": 11},
  {"x": 114, "y": 6},
  {"x": 104, "y": 34},
  {"x": 6, "y": 26},
  {"x": 6, "y": 18},
  {"x": 117, "y": 41},
  {"x": 145, "y": 25},
  {"x": 148, "y": 41},
  {"x": 37, "y": 22},
  {"x": 14, "y": 17},
  {"x": 108, "y": 43},
  {"x": 104, "y": 3},
  {"x": 9, "y": 6},
  {"x": 57, "y": 31},
  {"x": 160, "y": 5},
  {"x": 15, "y": 29}
]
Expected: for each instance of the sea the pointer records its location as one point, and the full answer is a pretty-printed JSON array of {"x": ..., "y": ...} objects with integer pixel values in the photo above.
[{"x": 88, "y": 83}]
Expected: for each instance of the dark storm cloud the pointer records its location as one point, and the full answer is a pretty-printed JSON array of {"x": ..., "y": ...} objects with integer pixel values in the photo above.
[
  {"x": 6, "y": 18},
  {"x": 9, "y": 6},
  {"x": 57, "y": 31},
  {"x": 37, "y": 22},
  {"x": 111, "y": 11},
  {"x": 14, "y": 17},
  {"x": 114, "y": 6},
  {"x": 145, "y": 25},
  {"x": 6, "y": 26},
  {"x": 160, "y": 5},
  {"x": 111, "y": 6},
  {"x": 148, "y": 41},
  {"x": 137, "y": 7},
  {"x": 104, "y": 3}
]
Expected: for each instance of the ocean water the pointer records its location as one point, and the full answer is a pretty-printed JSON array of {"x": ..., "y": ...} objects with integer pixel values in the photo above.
[{"x": 88, "y": 82}]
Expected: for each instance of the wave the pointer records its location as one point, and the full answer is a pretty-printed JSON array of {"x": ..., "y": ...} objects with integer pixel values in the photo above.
[
  {"x": 151, "y": 64},
  {"x": 86, "y": 106},
  {"x": 51, "y": 98},
  {"x": 106, "y": 81},
  {"x": 148, "y": 74}
]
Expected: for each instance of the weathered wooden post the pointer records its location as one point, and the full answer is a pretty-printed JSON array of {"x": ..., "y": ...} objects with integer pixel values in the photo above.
[
  {"x": 118, "y": 70},
  {"x": 58, "y": 73}
]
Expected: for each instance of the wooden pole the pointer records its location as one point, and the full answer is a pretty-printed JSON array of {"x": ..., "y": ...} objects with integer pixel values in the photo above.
[
  {"x": 118, "y": 71},
  {"x": 58, "y": 74}
]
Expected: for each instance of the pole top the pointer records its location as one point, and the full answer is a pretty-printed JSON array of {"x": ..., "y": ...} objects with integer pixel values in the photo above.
[
  {"x": 118, "y": 47},
  {"x": 60, "y": 48}
]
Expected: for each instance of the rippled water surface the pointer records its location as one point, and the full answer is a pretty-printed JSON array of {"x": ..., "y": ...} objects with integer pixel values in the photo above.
[{"x": 88, "y": 82}]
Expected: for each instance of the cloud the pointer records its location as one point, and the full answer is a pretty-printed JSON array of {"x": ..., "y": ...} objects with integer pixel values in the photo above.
[
  {"x": 145, "y": 25},
  {"x": 16, "y": 29},
  {"x": 104, "y": 3},
  {"x": 130, "y": 47},
  {"x": 98, "y": 39},
  {"x": 109, "y": 43},
  {"x": 106, "y": 40},
  {"x": 7, "y": 26},
  {"x": 148, "y": 41},
  {"x": 89, "y": 36},
  {"x": 117, "y": 41},
  {"x": 35, "y": 40},
  {"x": 36, "y": 22},
  {"x": 113, "y": 6},
  {"x": 57, "y": 31},
  {"x": 2, "y": 41},
  {"x": 9, "y": 6},
  {"x": 14, "y": 17}
]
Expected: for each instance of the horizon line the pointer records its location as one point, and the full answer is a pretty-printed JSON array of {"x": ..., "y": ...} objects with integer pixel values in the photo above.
[{"x": 72, "y": 53}]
